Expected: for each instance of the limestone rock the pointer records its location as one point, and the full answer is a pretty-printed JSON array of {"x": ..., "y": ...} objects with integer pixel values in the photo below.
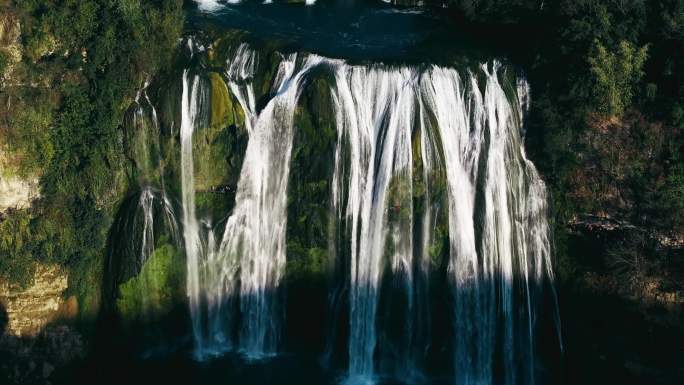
[
  {"x": 29, "y": 310},
  {"x": 16, "y": 192},
  {"x": 32, "y": 343}
]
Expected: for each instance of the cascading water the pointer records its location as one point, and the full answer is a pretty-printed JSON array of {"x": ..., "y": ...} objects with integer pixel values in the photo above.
[
  {"x": 254, "y": 237},
  {"x": 152, "y": 204},
  {"x": 413, "y": 145},
  {"x": 240, "y": 73},
  {"x": 499, "y": 250},
  {"x": 375, "y": 113},
  {"x": 191, "y": 230},
  {"x": 248, "y": 263}
]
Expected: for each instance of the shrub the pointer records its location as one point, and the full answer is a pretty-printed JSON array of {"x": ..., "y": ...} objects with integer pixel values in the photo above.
[
  {"x": 616, "y": 75},
  {"x": 157, "y": 289}
]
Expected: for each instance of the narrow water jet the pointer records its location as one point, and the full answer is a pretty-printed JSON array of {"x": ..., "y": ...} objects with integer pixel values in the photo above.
[{"x": 191, "y": 229}]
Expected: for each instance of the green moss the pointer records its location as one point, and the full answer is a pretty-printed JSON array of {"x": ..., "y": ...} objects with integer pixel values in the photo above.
[
  {"x": 213, "y": 205},
  {"x": 156, "y": 290},
  {"x": 306, "y": 264},
  {"x": 309, "y": 187},
  {"x": 144, "y": 148},
  {"x": 219, "y": 148},
  {"x": 223, "y": 46},
  {"x": 221, "y": 104}
]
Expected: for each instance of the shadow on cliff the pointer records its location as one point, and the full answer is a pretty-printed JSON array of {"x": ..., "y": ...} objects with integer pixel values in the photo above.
[
  {"x": 3, "y": 319},
  {"x": 611, "y": 336},
  {"x": 33, "y": 359},
  {"x": 610, "y": 340}
]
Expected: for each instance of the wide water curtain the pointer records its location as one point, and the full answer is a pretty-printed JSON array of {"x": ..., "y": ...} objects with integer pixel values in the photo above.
[
  {"x": 429, "y": 181},
  {"x": 393, "y": 122}
]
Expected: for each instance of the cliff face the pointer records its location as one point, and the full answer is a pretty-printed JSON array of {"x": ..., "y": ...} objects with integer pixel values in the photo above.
[
  {"x": 36, "y": 335},
  {"x": 55, "y": 212},
  {"x": 15, "y": 192},
  {"x": 621, "y": 261},
  {"x": 30, "y": 309}
]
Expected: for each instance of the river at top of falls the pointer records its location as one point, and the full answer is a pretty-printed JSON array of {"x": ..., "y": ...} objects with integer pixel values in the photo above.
[{"x": 351, "y": 29}]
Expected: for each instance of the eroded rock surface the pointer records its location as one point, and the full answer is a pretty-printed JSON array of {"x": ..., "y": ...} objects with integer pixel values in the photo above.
[{"x": 34, "y": 342}]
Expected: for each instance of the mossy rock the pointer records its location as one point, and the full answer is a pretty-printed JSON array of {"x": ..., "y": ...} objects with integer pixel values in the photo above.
[
  {"x": 311, "y": 172},
  {"x": 306, "y": 264},
  {"x": 158, "y": 288},
  {"x": 218, "y": 149},
  {"x": 223, "y": 46}
]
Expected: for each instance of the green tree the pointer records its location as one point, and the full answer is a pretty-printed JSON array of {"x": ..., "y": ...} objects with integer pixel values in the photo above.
[{"x": 616, "y": 75}]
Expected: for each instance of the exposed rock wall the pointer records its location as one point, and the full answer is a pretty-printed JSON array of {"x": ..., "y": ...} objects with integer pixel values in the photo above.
[
  {"x": 16, "y": 192},
  {"x": 30, "y": 309},
  {"x": 32, "y": 345}
]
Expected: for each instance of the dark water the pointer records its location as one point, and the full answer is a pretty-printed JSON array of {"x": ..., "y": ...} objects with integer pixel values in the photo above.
[
  {"x": 179, "y": 367},
  {"x": 353, "y": 30}
]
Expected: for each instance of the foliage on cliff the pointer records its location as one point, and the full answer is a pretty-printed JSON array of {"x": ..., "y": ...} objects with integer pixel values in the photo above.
[{"x": 82, "y": 61}]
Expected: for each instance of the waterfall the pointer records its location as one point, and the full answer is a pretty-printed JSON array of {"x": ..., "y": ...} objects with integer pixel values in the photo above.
[
  {"x": 424, "y": 157},
  {"x": 194, "y": 248},
  {"x": 254, "y": 237},
  {"x": 248, "y": 263},
  {"x": 145, "y": 204},
  {"x": 375, "y": 111},
  {"x": 240, "y": 74},
  {"x": 499, "y": 251},
  {"x": 152, "y": 204}
]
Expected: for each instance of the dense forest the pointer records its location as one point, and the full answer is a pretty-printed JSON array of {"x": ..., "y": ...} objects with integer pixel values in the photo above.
[{"x": 606, "y": 130}]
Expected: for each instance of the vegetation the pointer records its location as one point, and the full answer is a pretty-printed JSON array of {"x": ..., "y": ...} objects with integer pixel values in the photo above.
[
  {"x": 82, "y": 63},
  {"x": 616, "y": 75},
  {"x": 153, "y": 293},
  {"x": 309, "y": 203},
  {"x": 3, "y": 63}
]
